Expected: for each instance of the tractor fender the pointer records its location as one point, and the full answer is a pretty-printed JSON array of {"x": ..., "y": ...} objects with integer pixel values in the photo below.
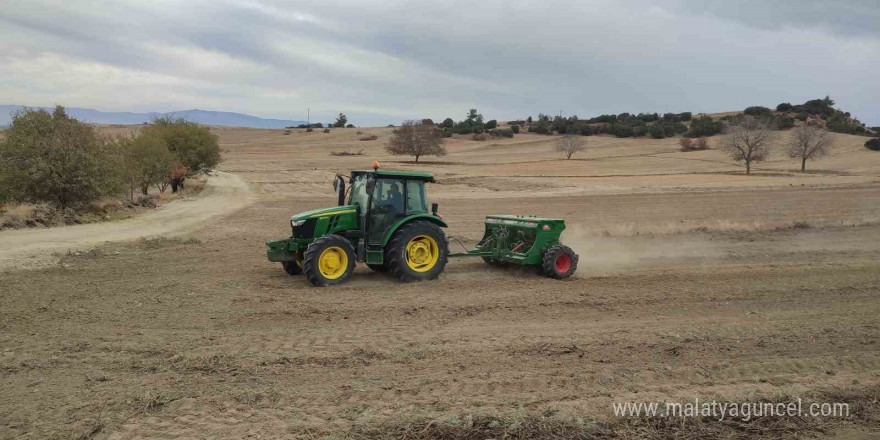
[{"x": 431, "y": 218}]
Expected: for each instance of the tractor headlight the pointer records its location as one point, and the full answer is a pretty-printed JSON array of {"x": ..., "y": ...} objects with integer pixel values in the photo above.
[{"x": 295, "y": 223}]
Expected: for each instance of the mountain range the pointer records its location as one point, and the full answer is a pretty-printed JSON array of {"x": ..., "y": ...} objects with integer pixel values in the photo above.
[{"x": 206, "y": 117}]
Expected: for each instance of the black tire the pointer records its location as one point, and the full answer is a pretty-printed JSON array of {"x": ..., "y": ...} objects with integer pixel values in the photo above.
[
  {"x": 311, "y": 267},
  {"x": 378, "y": 267},
  {"x": 291, "y": 267},
  {"x": 494, "y": 262},
  {"x": 396, "y": 253},
  {"x": 559, "y": 262}
]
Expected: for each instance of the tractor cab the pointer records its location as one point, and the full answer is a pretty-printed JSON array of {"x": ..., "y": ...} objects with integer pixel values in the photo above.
[{"x": 384, "y": 198}]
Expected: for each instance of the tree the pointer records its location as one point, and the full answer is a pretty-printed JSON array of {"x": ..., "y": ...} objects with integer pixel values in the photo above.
[
  {"x": 59, "y": 112},
  {"x": 341, "y": 120},
  {"x": 873, "y": 144},
  {"x": 448, "y": 123},
  {"x": 147, "y": 162},
  {"x": 809, "y": 142},
  {"x": 56, "y": 159},
  {"x": 194, "y": 145},
  {"x": 569, "y": 145},
  {"x": 747, "y": 141},
  {"x": 413, "y": 138}
]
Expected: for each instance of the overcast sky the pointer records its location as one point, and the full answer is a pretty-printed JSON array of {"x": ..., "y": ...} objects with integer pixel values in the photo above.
[{"x": 381, "y": 62}]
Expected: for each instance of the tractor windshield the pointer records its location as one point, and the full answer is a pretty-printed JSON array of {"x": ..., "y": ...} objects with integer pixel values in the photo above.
[{"x": 359, "y": 193}]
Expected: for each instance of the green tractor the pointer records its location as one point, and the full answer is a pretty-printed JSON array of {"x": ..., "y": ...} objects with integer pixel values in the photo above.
[{"x": 385, "y": 223}]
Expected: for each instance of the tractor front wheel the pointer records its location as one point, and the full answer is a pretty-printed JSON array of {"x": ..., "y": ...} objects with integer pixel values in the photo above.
[
  {"x": 329, "y": 260},
  {"x": 418, "y": 251},
  {"x": 559, "y": 262}
]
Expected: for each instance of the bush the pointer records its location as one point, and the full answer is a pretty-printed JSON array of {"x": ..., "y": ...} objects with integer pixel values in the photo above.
[
  {"x": 56, "y": 159},
  {"x": 701, "y": 144},
  {"x": 492, "y": 123},
  {"x": 447, "y": 133},
  {"x": 147, "y": 161},
  {"x": 639, "y": 130},
  {"x": 327, "y": 130},
  {"x": 687, "y": 144},
  {"x": 479, "y": 137},
  {"x": 349, "y": 126},
  {"x": 757, "y": 111},
  {"x": 801, "y": 116},
  {"x": 514, "y": 128},
  {"x": 427, "y": 121},
  {"x": 503, "y": 132},
  {"x": 783, "y": 122},
  {"x": 194, "y": 145},
  {"x": 448, "y": 123},
  {"x": 873, "y": 144},
  {"x": 309, "y": 130},
  {"x": 369, "y": 137},
  {"x": 657, "y": 131},
  {"x": 705, "y": 126},
  {"x": 784, "y": 107}
]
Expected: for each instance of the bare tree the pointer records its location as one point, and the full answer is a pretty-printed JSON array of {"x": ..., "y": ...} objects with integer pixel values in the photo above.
[
  {"x": 415, "y": 139},
  {"x": 569, "y": 145},
  {"x": 747, "y": 141},
  {"x": 809, "y": 142}
]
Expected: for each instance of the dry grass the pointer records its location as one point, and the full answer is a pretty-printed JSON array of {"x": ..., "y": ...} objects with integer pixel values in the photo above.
[
  {"x": 686, "y": 227},
  {"x": 863, "y": 410},
  {"x": 371, "y": 137}
]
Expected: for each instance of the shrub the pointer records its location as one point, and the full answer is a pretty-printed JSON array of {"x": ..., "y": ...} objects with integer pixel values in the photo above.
[
  {"x": 147, "y": 161},
  {"x": 639, "y": 130},
  {"x": 757, "y": 111},
  {"x": 801, "y": 116},
  {"x": 318, "y": 125},
  {"x": 194, "y": 145},
  {"x": 479, "y": 137},
  {"x": 687, "y": 144},
  {"x": 684, "y": 116},
  {"x": 504, "y": 132},
  {"x": 56, "y": 159},
  {"x": 783, "y": 122},
  {"x": 492, "y": 123},
  {"x": 784, "y": 107},
  {"x": 427, "y": 121},
  {"x": 873, "y": 144},
  {"x": 514, "y": 128},
  {"x": 287, "y": 132},
  {"x": 445, "y": 132},
  {"x": 705, "y": 126},
  {"x": 349, "y": 126},
  {"x": 309, "y": 130},
  {"x": 327, "y": 130},
  {"x": 657, "y": 132},
  {"x": 701, "y": 144},
  {"x": 448, "y": 123},
  {"x": 369, "y": 137}
]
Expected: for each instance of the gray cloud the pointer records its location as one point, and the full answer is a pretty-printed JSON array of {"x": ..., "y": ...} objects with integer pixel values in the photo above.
[{"x": 381, "y": 62}]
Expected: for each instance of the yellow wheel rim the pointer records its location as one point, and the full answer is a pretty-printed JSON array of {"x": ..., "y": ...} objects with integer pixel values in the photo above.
[
  {"x": 422, "y": 253},
  {"x": 333, "y": 262}
]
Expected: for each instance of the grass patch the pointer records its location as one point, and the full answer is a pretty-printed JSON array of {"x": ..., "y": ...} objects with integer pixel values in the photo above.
[{"x": 864, "y": 409}]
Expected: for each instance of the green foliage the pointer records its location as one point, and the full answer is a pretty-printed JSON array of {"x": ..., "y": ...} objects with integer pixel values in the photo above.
[
  {"x": 801, "y": 116},
  {"x": 194, "y": 145},
  {"x": 657, "y": 131},
  {"x": 784, "y": 107},
  {"x": 147, "y": 161},
  {"x": 783, "y": 122},
  {"x": 608, "y": 119},
  {"x": 757, "y": 111},
  {"x": 502, "y": 132},
  {"x": 56, "y": 159},
  {"x": 705, "y": 126},
  {"x": 448, "y": 123},
  {"x": 514, "y": 128},
  {"x": 491, "y": 124},
  {"x": 873, "y": 144},
  {"x": 842, "y": 123},
  {"x": 341, "y": 120}
]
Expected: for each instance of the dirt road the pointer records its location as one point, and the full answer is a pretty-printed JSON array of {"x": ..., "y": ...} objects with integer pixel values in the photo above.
[{"x": 28, "y": 248}]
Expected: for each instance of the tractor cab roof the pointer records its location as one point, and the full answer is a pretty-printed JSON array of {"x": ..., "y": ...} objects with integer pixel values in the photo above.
[{"x": 414, "y": 175}]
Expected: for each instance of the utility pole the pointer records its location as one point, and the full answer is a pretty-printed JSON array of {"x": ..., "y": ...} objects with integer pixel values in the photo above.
[{"x": 308, "y": 117}]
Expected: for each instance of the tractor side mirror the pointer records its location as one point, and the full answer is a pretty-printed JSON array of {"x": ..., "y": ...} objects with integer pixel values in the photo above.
[
  {"x": 434, "y": 208},
  {"x": 339, "y": 188}
]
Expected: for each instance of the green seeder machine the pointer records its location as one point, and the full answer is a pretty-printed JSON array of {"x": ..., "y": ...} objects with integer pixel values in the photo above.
[{"x": 385, "y": 223}]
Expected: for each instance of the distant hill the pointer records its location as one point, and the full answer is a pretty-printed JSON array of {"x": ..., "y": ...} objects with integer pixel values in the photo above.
[{"x": 206, "y": 117}]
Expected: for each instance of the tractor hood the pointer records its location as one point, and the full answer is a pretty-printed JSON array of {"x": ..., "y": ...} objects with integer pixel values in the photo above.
[{"x": 325, "y": 212}]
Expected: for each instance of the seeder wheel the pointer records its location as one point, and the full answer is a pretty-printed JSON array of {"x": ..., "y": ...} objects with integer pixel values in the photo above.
[{"x": 559, "y": 262}]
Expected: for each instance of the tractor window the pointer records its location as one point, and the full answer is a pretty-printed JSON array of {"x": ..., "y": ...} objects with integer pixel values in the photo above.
[
  {"x": 387, "y": 207},
  {"x": 359, "y": 193},
  {"x": 415, "y": 196}
]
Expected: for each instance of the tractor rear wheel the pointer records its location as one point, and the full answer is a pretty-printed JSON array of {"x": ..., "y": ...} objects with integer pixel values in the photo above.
[
  {"x": 329, "y": 260},
  {"x": 559, "y": 262},
  {"x": 418, "y": 251}
]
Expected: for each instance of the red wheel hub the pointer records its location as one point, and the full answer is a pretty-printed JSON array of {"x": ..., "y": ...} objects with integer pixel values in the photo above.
[{"x": 563, "y": 263}]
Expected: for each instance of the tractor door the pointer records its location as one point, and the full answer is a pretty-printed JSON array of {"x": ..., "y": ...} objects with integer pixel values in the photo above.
[{"x": 386, "y": 208}]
